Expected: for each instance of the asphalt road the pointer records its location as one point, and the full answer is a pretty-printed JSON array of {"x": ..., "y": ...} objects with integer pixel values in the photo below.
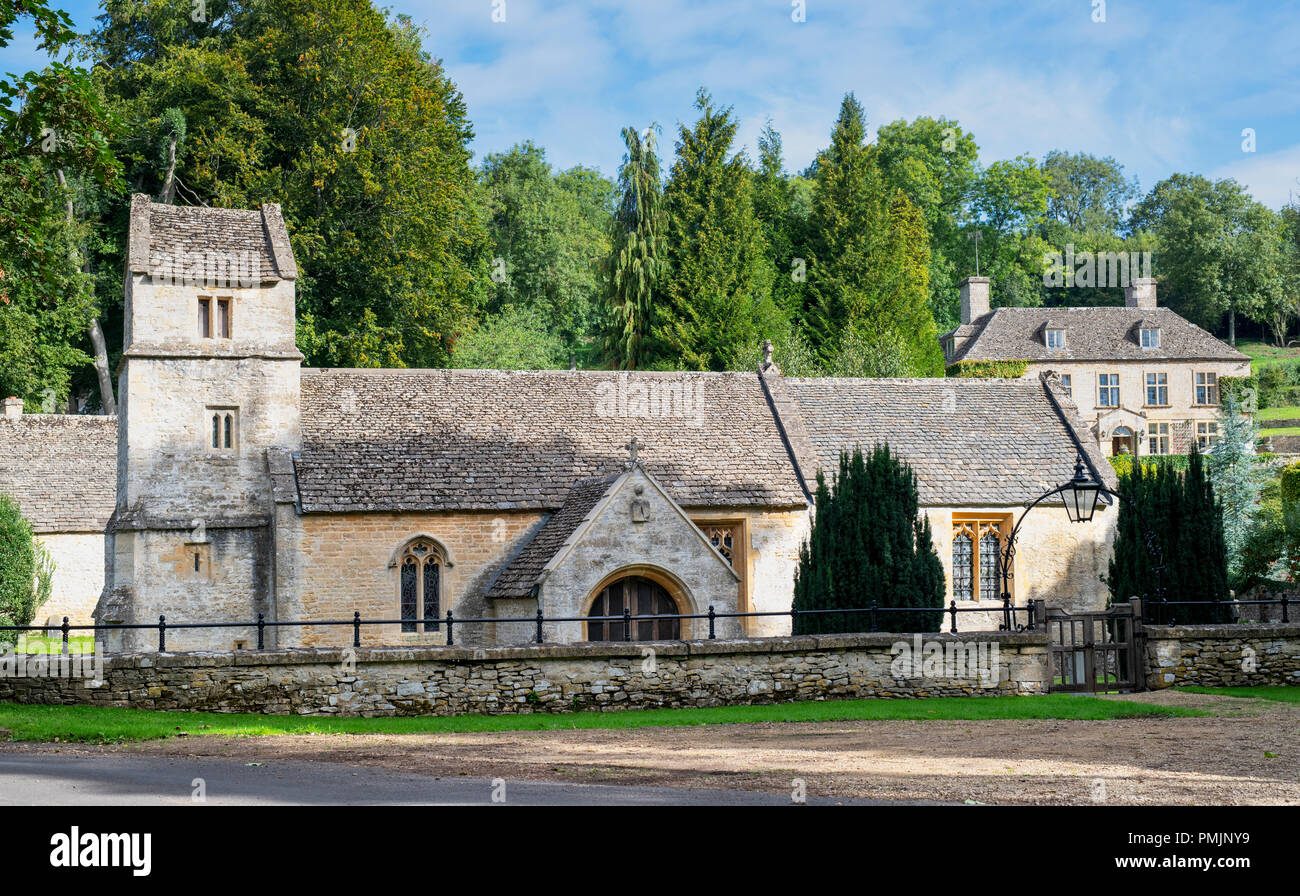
[{"x": 45, "y": 779}]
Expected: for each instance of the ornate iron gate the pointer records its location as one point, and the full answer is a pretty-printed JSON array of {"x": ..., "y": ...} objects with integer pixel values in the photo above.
[{"x": 1097, "y": 651}]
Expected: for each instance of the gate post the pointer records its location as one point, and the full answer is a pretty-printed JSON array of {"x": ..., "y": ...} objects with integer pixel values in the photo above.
[{"x": 1138, "y": 635}]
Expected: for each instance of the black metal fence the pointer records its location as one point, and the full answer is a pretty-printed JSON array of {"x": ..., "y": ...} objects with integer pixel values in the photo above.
[
  {"x": 1157, "y": 611},
  {"x": 873, "y": 617}
]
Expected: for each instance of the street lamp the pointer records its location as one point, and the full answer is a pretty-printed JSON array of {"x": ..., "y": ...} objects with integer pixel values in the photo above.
[{"x": 1080, "y": 496}]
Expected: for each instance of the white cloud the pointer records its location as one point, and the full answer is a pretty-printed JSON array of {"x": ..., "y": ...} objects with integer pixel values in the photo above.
[{"x": 1273, "y": 178}]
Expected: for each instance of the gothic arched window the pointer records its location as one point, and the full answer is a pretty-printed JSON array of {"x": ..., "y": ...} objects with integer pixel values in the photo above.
[{"x": 421, "y": 585}]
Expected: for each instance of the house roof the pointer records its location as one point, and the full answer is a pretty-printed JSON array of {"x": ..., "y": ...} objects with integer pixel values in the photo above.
[
  {"x": 428, "y": 440},
  {"x": 521, "y": 574},
  {"x": 1091, "y": 334},
  {"x": 62, "y": 470},
  {"x": 971, "y": 442},
  {"x": 174, "y": 234}
]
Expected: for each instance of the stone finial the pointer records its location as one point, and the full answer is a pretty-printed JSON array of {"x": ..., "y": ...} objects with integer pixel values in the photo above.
[
  {"x": 767, "y": 353},
  {"x": 633, "y": 446},
  {"x": 13, "y": 407}
]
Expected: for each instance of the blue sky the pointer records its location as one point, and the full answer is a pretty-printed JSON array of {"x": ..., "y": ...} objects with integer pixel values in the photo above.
[{"x": 1161, "y": 86}]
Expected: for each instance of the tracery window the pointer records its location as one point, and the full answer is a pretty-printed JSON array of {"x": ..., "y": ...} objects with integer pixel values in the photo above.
[
  {"x": 421, "y": 583},
  {"x": 726, "y": 539},
  {"x": 975, "y": 548}
]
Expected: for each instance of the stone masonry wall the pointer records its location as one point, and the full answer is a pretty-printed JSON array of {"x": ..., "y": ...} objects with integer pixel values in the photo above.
[
  {"x": 450, "y": 681},
  {"x": 1223, "y": 655}
]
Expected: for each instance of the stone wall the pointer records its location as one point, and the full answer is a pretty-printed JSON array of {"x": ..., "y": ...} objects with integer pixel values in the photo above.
[
  {"x": 1223, "y": 655},
  {"x": 78, "y": 577},
  {"x": 450, "y": 681}
]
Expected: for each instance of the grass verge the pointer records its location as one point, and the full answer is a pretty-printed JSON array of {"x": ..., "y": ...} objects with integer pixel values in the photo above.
[
  {"x": 95, "y": 724},
  {"x": 1277, "y": 693}
]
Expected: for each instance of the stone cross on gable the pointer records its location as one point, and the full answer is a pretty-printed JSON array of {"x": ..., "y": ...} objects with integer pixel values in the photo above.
[{"x": 633, "y": 446}]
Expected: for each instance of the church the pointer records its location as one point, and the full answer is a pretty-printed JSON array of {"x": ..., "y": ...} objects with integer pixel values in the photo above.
[{"x": 246, "y": 484}]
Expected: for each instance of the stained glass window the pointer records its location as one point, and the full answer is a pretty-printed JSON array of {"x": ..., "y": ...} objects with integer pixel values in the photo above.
[
  {"x": 963, "y": 567},
  {"x": 989, "y": 566},
  {"x": 421, "y": 587}
]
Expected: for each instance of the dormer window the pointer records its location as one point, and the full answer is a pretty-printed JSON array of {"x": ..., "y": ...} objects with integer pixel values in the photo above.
[
  {"x": 1149, "y": 337},
  {"x": 1055, "y": 337}
]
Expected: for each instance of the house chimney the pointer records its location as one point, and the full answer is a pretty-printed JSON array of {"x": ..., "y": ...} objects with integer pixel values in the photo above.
[
  {"x": 13, "y": 407},
  {"x": 1141, "y": 293},
  {"x": 974, "y": 298}
]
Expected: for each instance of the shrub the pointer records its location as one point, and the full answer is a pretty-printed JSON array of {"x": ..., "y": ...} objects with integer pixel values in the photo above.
[
  {"x": 26, "y": 570},
  {"x": 1170, "y": 541},
  {"x": 988, "y": 369},
  {"x": 869, "y": 542}
]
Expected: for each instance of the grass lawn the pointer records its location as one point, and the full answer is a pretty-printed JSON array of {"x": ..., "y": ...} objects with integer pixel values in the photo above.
[
  {"x": 104, "y": 724},
  {"x": 1288, "y": 413},
  {"x": 1281, "y": 431},
  {"x": 1279, "y": 693},
  {"x": 1262, "y": 352}
]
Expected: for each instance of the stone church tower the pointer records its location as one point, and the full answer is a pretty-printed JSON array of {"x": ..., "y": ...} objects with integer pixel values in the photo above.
[{"x": 209, "y": 382}]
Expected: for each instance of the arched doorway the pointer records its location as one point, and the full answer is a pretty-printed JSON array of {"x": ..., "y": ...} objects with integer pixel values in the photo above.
[
  {"x": 1122, "y": 441},
  {"x": 639, "y": 596}
]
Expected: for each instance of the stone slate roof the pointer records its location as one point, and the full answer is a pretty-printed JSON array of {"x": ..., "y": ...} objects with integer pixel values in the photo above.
[
  {"x": 62, "y": 470},
  {"x": 428, "y": 440},
  {"x": 175, "y": 231},
  {"x": 1105, "y": 334},
  {"x": 520, "y": 574},
  {"x": 971, "y": 442}
]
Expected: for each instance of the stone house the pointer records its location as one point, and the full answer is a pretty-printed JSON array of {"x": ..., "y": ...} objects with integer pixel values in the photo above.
[
  {"x": 249, "y": 485},
  {"x": 1145, "y": 379},
  {"x": 61, "y": 470}
]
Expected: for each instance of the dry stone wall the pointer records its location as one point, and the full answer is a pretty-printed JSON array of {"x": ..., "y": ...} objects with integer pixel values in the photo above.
[
  {"x": 450, "y": 681},
  {"x": 1223, "y": 655}
]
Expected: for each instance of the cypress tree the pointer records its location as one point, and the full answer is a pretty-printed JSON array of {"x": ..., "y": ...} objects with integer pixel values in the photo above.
[
  {"x": 869, "y": 543},
  {"x": 1170, "y": 541}
]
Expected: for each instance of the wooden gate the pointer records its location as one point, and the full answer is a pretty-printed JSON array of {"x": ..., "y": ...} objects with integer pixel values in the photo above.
[{"x": 1097, "y": 651}]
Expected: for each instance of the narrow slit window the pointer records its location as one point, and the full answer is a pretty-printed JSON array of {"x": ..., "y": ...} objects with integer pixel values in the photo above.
[
  {"x": 205, "y": 318},
  {"x": 223, "y": 318},
  {"x": 216, "y": 430},
  {"x": 230, "y": 431}
]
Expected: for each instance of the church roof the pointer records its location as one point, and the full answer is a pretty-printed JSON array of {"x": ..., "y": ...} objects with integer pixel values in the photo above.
[
  {"x": 61, "y": 469},
  {"x": 971, "y": 442},
  {"x": 1091, "y": 334},
  {"x": 521, "y": 574},
  {"x": 428, "y": 440},
  {"x": 173, "y": 235}
]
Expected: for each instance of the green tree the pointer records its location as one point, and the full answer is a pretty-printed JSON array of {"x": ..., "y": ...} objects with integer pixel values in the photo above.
[
  {"x": 518, "y": 338},
  {"x": 635, "y": 266},
  {"x": 935, "y": 164},
  {"x": 25, "y": 570},
  {"x": 717, "y": 288},
  {"x": 55, "y": 129},
  {"x": 781, "y": 204},
  {"x": 869, "y": 542},
  {"x": 1237, "y": 478},
  {"x": 1088, "y": 194},
  {"x": 549, "y": 235},
  {"x": 1009, "y": 205},
  {"x": 868, "y": 253},
  {"x": 1170, "y": 540},
  {"x": 1220, "y": 252},
  {"x": 338, "y": 114}
]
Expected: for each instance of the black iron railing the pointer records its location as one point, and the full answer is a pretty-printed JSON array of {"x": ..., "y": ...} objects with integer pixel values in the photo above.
[{"x": 873, "y": 617}]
